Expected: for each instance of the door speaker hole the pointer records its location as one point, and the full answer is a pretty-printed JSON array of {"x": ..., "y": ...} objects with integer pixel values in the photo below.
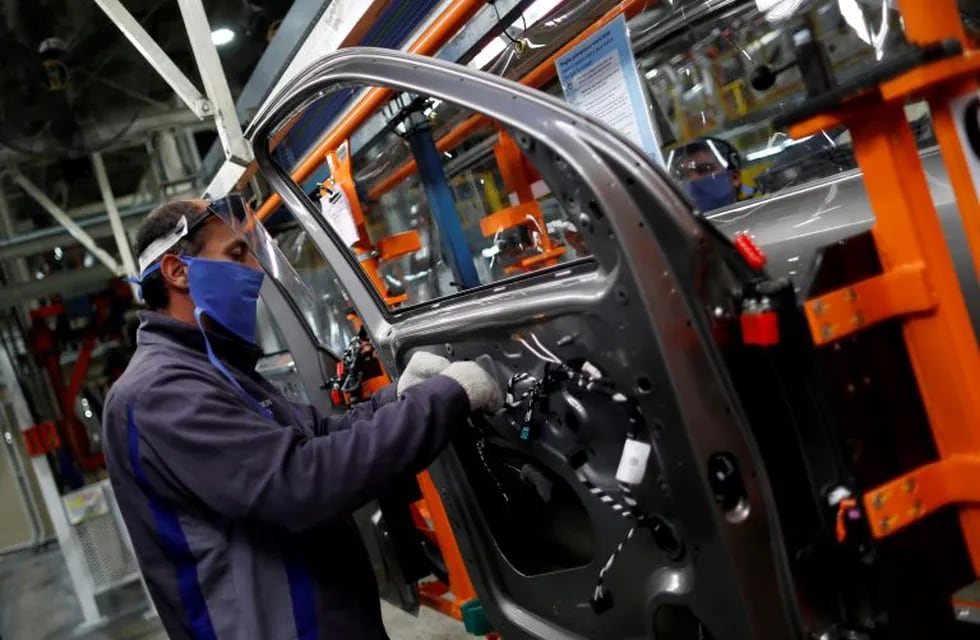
[
  {"x": 571, "y": 421},
  {"x": 535, "y": 516}
]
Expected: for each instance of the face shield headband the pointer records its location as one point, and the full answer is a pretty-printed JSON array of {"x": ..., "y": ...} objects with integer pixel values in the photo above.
[{"x": 149, "y": 260}]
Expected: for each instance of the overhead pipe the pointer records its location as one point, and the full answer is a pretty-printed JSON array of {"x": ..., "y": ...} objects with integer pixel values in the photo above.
[
  {"x": 437, "y": 34},
  {"x": 540, "y": 75}
]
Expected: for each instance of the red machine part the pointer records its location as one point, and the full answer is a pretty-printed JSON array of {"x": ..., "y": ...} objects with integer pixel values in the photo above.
[
  {"x": 750, "y": 251},
  {"x": 42, "y": 439},
  {"x": 760, "y": 323},
  {"x": 46, "y": 349}
]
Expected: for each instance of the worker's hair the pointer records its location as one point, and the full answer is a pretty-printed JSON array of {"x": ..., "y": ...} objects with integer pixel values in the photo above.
[
  {"x": 726, "y": 149},
  {"x": 158, "y": 224}
]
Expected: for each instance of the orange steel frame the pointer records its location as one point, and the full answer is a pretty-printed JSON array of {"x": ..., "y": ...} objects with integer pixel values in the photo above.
[
  {"x": 517, "y": 174},
  {"x": 370, "y": 255},
  {"x": 540, "y": 75},
  {"x": 919, "y": 283}
]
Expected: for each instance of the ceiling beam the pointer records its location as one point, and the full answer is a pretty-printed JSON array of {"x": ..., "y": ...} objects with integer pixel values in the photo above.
[
  {"x": 70, "y": 283},
  {"x": 65, "y": 221},
  {"x": 42, "y": 240},
  {"x": 157, "y": 57}
]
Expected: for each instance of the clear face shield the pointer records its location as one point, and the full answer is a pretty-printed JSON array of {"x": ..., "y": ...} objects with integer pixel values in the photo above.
[
  {"x": 236, "y": 213},
  {"x": 238, "y": 216}
]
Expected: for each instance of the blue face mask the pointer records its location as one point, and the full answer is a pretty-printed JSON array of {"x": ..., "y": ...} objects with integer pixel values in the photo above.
[
  {"x": 227, "y": 292},
  {"x": 711, "y": 192}
]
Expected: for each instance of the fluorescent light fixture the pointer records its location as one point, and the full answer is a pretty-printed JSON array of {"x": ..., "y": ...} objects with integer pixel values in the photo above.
[{"x": 222, "y": 36}]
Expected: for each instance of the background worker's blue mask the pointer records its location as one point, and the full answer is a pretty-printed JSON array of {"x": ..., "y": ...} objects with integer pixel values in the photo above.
[
  {"x": 227, "y": 292},
  {"x": 711, "y": 192}
]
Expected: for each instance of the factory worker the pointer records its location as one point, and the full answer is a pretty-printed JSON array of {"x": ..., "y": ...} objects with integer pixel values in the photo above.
[
  {"x": 239, "y": 502},
  {"x": 710, "y": 169}
]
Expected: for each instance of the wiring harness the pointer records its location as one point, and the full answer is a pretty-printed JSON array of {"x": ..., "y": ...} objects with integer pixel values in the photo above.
[{"x": 523, "y": 400}]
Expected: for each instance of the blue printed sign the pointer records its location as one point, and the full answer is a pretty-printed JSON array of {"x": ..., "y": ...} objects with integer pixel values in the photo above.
[{"x": 600, "y": 78}]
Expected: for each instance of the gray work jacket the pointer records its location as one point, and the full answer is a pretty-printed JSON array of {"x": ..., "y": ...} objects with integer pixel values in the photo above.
[{"x": 240, "y": 522}]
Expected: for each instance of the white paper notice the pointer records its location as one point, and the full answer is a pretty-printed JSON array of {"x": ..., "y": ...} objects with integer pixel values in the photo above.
[
  {"x": 601, "y": 92},
  {"x": 599, "y": 77},
  {"x": 336, "y": 211}
]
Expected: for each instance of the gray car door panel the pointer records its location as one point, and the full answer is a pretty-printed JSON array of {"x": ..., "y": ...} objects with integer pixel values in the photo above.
[{"x": 641, "y": 313}]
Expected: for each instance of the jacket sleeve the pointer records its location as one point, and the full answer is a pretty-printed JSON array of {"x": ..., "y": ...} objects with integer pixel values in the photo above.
[
  {"x": 358, "y": 412},
  {"x": 201, "y": 441}
]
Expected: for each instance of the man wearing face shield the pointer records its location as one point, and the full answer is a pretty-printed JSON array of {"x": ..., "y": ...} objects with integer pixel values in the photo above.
[
  {"x": 710, "y": 169},
  {"x": 237, "y": 501}
]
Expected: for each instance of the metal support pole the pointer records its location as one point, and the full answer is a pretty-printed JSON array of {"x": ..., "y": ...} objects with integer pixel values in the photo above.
[
  {"x": 156, "y": 56},
  {"x": 192, "y": 153},
  {"x": 7, "y": 226},
  {"x": 226, "y": 120},
  {"x": 455, "y": 246},
  {"x": 78, "y": 571},
  {"x": 115, "y": 221},
  {"x": 65, "y": 220}
]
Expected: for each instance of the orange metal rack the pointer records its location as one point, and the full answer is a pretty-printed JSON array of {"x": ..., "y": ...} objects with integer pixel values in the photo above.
[{"x": 918, "y": 284}]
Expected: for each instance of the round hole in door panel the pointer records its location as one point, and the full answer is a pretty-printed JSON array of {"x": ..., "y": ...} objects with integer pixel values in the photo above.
[
  {"x": 535, "y": 517},
  {"x": 677, "y": 622},
  {"x": 725, "y": 479}
]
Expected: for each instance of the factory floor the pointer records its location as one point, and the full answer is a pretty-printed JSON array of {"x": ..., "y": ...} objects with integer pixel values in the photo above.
[{"x": 36, "y": 603}]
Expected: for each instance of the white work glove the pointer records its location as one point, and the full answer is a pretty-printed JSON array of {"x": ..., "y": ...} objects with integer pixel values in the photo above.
[
  {"x": 422, "y": 366},
  {"x": 482, "y": 390}
]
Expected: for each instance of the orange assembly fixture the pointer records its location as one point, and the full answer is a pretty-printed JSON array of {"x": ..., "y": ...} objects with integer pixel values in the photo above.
[
  {"x": 918, "y": 284},
  {"x": 437, "y": 34},
  {"x": 517, "y": 174},
  {"x": 342, "y": 177}
]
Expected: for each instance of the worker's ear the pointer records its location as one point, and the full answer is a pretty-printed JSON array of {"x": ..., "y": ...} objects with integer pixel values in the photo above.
[
  {"x": 174, "y": 271},
  {"x": 736, "y": 178}
]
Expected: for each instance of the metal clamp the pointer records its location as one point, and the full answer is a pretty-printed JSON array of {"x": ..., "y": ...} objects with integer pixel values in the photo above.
[
  {"x": 918, "y": 493},
  {"x": 900, "y": 291}
]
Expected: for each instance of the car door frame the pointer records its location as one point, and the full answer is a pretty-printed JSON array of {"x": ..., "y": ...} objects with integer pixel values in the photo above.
[{"x": 602, "y": 178}]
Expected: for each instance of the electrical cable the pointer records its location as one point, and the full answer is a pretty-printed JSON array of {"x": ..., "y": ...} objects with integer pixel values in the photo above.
[
  {"x": 535, "y": 353},
  {"x": 504, "y": 30},
  {"x": 520, "y": 409}
]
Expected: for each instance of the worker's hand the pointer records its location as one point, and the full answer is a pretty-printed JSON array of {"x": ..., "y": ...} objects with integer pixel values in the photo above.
[
  {"x": 481, "y": 388},
  {"x": 422, "y": 366}
]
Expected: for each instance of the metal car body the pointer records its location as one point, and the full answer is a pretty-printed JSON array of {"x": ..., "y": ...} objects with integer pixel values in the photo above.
[{"x": 726, "y": 532}]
